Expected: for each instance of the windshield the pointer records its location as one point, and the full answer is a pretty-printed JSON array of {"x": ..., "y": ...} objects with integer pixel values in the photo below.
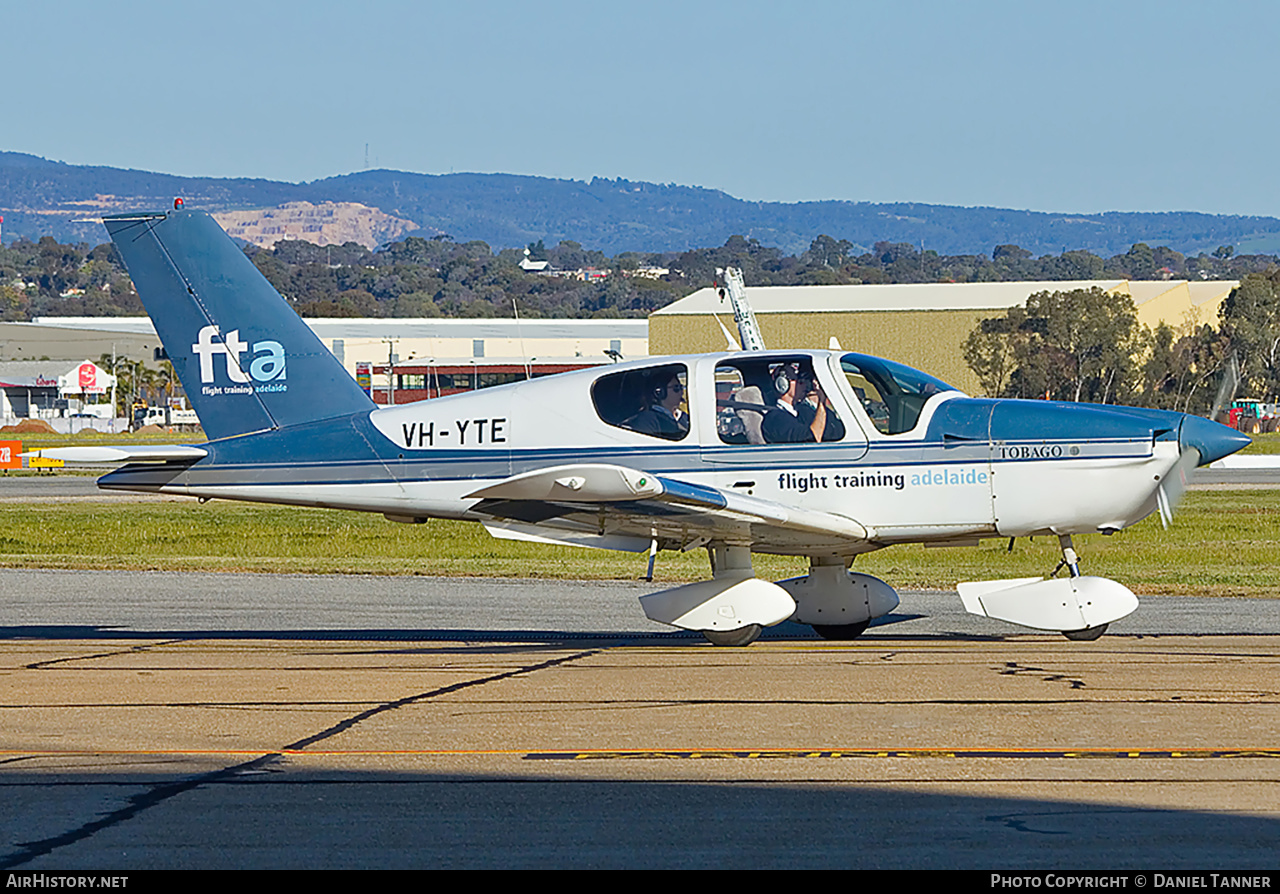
[{"x": 892, "y": 394}]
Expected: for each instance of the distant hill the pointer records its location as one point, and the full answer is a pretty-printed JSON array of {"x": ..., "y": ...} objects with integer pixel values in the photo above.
[{"x": 39, "y": 197}]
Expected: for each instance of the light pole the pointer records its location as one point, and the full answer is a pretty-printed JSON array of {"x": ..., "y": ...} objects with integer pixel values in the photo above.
[{"x": 391, "y": 370}]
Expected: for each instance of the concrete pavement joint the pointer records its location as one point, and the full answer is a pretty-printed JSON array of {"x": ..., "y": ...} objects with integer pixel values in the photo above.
[
  {"x": 158, "y": 794},
  {"x": 37, "y": 665}
]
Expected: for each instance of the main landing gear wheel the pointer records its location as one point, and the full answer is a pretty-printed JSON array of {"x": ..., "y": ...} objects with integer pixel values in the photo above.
[
  {"x": 743, "y": 636},
  {"x": 840, "y": 631},
  {"x": 1088, "y": 635}
]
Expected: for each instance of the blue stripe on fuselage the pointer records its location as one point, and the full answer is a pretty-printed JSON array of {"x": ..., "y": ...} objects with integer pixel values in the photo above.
[{"x": 349, "y": 450}]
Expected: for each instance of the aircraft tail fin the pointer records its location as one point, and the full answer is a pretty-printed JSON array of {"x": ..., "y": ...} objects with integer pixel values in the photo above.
[{"x": 246, "y": 360}]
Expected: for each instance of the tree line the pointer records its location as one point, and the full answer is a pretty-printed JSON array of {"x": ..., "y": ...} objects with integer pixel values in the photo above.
[
  {"x": 418, "y": 277},
  {"x": 1085, "y": 345},
  {"x": 1068, "y": 345}
]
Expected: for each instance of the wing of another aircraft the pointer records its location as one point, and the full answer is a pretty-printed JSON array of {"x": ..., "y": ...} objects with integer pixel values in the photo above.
[{"x": 614, "y": 507}]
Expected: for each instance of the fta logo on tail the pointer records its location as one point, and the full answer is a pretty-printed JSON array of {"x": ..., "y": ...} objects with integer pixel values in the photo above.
[{"x": 266, "y": 363}]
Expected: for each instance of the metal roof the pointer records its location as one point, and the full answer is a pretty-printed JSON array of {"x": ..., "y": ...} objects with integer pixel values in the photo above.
[
  {"x": 400, "y": 327},
  {"x": 33, "y": 373},
  {"x": 915, "y": 296}
]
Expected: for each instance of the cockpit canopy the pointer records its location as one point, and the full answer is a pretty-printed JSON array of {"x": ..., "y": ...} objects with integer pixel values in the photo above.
[
  {"x": 764, "y": 398},
  {"x": 892, "y": 394}
]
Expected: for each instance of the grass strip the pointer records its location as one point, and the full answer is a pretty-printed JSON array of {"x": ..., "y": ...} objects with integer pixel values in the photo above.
[{"x": 1222, "y": 543}]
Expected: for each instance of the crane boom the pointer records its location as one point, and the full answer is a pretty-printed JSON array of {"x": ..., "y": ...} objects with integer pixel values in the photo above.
[{"x": 729, "y": 281}]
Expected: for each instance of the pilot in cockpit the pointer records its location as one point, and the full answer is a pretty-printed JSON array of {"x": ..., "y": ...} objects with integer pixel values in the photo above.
[
  {"x": 661, "y": 415},
  {"x": 802, "y": 412}
]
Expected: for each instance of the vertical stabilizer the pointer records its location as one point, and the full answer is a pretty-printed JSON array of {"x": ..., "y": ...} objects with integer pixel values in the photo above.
[{"x": 246, "y": 360}]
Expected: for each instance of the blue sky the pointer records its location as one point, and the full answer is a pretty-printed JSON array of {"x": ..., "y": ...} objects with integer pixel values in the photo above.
[{"x": 1081, "y": 106}]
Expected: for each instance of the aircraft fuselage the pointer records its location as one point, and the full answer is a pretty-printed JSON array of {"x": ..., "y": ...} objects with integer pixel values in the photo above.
[{"x": 967, "y": 468}]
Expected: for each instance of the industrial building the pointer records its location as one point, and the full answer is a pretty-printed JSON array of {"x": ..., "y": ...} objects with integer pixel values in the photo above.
[
  {"x": 453, "y": 355},
  {"x": 922, "y": 325},
  {"x": 57, "y": 391}
]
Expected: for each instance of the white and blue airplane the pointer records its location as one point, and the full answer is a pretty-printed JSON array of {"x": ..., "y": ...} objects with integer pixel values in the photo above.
[{"x": 824, "y": 454}]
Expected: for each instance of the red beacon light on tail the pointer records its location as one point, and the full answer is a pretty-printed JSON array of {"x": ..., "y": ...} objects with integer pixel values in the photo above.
[{"x": 177, "y": 204}]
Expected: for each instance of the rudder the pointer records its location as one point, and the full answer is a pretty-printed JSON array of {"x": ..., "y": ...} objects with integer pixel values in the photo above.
[{"x": 246, "y": 360}]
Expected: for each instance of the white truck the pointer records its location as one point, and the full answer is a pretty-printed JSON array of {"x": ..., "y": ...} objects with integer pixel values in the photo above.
[{"x": 164, "y": 417}]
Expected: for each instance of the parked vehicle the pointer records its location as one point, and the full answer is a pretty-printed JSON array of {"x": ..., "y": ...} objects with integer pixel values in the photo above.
[
  {"x": 163, "y": 416},
  {"x": 1253, "y": 416}
]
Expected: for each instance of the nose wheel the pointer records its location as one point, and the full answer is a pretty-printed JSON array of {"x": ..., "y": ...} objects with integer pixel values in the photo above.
[
  {"x": 1088, "y": 635},
  {"x": 841, "y": 632},
  {"x": 743, "y": 636},
  {"x": 1071, "y": 561}
]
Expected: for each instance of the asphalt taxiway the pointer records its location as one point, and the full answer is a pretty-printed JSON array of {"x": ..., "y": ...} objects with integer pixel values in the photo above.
[{"x": 187, "y": 720}]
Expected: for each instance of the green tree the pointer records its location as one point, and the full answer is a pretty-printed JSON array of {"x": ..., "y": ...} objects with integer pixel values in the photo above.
[
  {"x": 1076, "y": 345},
  {"x": 14, "y": 304},
  {"x": 1251, "y": 321},
  {"x": 828, "y": 252},
  {"x": 991, "y": 349},
  {"x": 1009, "y": 253}
]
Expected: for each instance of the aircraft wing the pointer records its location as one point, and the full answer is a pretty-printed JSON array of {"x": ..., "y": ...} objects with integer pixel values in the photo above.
[{"x": 614, "y": 507}]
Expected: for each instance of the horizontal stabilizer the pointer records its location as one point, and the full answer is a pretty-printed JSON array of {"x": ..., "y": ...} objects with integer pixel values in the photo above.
[{"x": 142, "y": 453}]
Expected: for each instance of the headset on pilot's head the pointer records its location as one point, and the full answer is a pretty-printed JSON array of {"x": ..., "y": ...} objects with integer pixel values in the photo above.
[
  {"x": 787, "y": 373},
  {"x": 660, "y": 382}
]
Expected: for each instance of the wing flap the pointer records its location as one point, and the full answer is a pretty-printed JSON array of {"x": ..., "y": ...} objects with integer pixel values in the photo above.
[{"x": 563, "y": 537}]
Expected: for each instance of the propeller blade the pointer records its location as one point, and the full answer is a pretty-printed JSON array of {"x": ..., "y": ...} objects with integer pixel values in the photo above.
[
  {"x": 1169, "y": 493},
  {"x": 1227, "y": 388}
]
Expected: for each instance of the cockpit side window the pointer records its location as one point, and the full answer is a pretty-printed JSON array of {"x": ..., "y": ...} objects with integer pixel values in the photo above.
[
  {"x": 651, "y": 401},
  {"x": 892, "y": 394},
  {"x": 773, "y": 401}
]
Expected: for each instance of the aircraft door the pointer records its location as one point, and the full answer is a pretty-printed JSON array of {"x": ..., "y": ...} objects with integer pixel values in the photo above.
[
  {"x": 777, "y": 411},
  {"x": 965, "y": 474},
  {"x": 935, "y": 439}
]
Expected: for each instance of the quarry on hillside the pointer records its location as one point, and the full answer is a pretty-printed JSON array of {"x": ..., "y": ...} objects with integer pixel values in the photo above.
[{"x": 327, "y": 223}]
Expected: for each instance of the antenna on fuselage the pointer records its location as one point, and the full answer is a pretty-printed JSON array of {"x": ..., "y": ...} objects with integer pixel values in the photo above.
[
  {"x": 730, "y": 344},
  {"x": 729, "y": 282},
  {"x": 524, "y": 358}
]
